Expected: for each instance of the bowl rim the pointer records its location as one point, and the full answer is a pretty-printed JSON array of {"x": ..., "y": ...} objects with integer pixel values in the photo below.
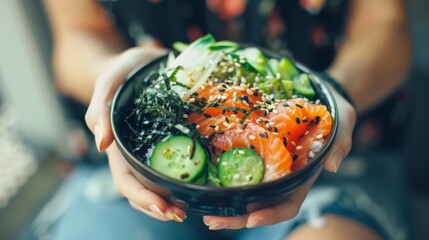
[{"x": 320, "y": 156}]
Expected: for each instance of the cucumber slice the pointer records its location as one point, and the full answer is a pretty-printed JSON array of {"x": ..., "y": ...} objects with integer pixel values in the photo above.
[
  {"x": 179, "y": 157},
  {"x": 202, "y": 180},
  {"x": 240, "y": 167},
  {"x": 180, "y": 46},
  {"x": 302, "y": 85},
  {"x": 226, "y": 46},
  {"x": 213, "y": 175},
  {"x": 258, "y": 61},
  {"x": 286, "y": 69},
  {"x": 287, "y": 86}
]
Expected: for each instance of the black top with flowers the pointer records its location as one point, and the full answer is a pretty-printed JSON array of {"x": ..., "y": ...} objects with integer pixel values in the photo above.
[{"x": 309, "y": 29}]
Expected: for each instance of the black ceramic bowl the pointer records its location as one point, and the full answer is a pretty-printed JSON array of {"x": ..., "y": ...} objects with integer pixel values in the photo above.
[{"x": 209, "y": 200}]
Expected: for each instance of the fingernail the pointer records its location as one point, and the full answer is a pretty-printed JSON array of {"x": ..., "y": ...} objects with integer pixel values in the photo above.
[
  {"x": 253, "y": 223},
  {"x": 218, "y": 226},
  {"x": 336, "y": 160},
  {"x": 156, "y": 209},
  {"x": 173, "y": 216},
  {"x": 205, "y": 222},
  {"x": 98, "y": 134}
]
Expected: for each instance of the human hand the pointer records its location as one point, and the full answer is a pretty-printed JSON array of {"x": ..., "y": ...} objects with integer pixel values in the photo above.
[
  {"x": 289, "y": 208},
  {"x": 98, "y": 121}
]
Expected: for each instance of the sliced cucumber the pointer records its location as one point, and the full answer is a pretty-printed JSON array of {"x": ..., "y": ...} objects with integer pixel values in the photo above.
[
  {"x": 302, "y": 85},
  {"x": 213, "y": 175},
  {"x": 226, "y": 46},
  {"x": 286, "y": 69},
  {"x": 202, "y": 180},
  {"x": 287, "y": 86},
  {"x": 180, "y": 46},
  {"x": 258, "y": 61},
  {"x": 240, "y": 167},
  {"x": 179, "y": 157}
]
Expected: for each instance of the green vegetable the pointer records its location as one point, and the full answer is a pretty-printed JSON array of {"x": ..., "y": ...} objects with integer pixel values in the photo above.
[
  {"x": 240, "y": 167},
  {"x": 180, "y": 46},
  {"x": 302, "y": 85},
  {"x": 181, "y": 158},
  {"x": 226, "y": 46},
  {"x": 258, "y": 61},
  {"x": 286, "y": 69},
  {"x": 213, "y": 174},
  {"x": 287, "y": 86},
  {"x": 202, "y": 180}
]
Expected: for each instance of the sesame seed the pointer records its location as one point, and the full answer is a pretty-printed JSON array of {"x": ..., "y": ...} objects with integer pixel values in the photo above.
[
  {"x": 221, "y": 90},
  {"x": 298, "y": 147},
  {"x": 319, "y": 136},
  {"x": 252, "y": 137},
  {"x": 207, "y": 115},
  {"x": 294, "y": 157},
  {"x": 226, "y": 119},
  {"x": 225, "y": 124},
  {"x": 239, "y": 131},
  {"x": 231, "y": 125},
  {"x": 250, "y": 92},
  {"x": 216, "y": 128},
  {"x": 252, "y": 146},
  {"x": 293, "y": 143},
  {"x": 244, "y": 125},
  {"x": 146, "y": 122},
  {"x": 241, "y": 152},
  {"x": 220, "y": 132},
  {"x": 297, "y": 120},
  {"x": 198, "y": 126},
  {"x": 299, "y": 105},
  {"x": 264, "y": 135}
]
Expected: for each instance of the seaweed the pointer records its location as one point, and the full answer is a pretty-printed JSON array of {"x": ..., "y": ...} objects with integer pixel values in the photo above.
[{"x": 159, "y": 112}]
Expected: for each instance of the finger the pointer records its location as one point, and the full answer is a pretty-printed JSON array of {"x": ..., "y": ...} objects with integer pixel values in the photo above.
[
  {"x": 283, "y": 211},
  {"x": 343, "y": 141},
  {"x": 217, "y": 223},
  {"x": 134, "y": 191},
  {"x": 149, "y": 213},
  {"x": 98, "y": 114}
]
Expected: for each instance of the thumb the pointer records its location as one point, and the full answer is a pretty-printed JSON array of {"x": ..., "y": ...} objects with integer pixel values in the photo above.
[{"x": 98, "y": 114}]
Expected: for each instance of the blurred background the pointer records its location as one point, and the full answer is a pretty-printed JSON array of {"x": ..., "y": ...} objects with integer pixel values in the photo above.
[{"x": 39, "y": 144}]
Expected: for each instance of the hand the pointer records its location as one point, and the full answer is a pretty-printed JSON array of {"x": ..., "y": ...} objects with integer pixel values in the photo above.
[
  {"x": 289, "y": 208},
  {"x": 98, "y": 121}
]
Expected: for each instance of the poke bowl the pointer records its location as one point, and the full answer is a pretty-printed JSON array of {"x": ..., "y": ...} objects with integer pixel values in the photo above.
[{"x": 223, "y": 145}]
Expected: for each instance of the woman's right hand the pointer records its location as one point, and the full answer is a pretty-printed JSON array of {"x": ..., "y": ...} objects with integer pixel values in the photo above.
[{"x": 98, "y": 121}]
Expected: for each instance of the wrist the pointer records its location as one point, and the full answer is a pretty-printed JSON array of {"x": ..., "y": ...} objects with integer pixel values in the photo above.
[{"x": 337, "y": 86}]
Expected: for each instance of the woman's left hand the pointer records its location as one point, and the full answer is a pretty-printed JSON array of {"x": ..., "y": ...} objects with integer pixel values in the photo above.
[{"x": 290, "y": 208}]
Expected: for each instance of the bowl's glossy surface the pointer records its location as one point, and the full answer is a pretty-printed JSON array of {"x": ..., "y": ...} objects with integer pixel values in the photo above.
[{"x": 209, "y": 200}]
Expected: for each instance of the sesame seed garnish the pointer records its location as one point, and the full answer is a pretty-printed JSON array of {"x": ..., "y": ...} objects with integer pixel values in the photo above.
[
  {"x": 207, "y": 115},
  {"x": 250, "y": 92},
  {"x": 299, "y": 105},
  {"x": 243, "y": 126},
  {"x": 319, "y": 136},
  {"x": 252, "y": 137},
  {"x": 185, "y": 115},
  {"x": 275, "y": 111},
  {"x": 297, "y": 120},
  {"x": 298, "y": 147},
  {"x": 293, "y": 143},
  {"x": 216, "y": 128},
  {"x": 255, "y": 94},
  {"x": 264, "y": 135},
  {"x": 191, "y": 100},
  {"x": 221, "y": 90},
  {"x": 239, "y": 131},
  {"x": 252, "y": 146},
  {"x": 225, "y": 124},
  {"x": 294, "y": 157},
  {"x": 198, "y": 126},
  {"x": 231, "y": 125},
  {"x": 220, "y": 132},
  {"x": 226, "y": 119},
  {"x": 241, "y": 152}
]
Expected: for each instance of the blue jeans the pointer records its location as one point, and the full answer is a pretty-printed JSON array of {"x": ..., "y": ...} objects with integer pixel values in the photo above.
[{"x": 91, "y": 209}]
